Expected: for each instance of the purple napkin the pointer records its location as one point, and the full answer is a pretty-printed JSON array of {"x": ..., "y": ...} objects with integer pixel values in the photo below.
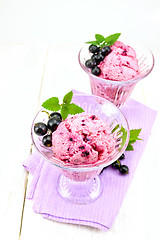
[{"x": 101, "y": 213}]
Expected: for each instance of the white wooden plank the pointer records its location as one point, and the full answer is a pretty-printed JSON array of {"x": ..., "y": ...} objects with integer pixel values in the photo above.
[
  {"x": 63, "y": 71},
  {"x": 20, "y": 78}
]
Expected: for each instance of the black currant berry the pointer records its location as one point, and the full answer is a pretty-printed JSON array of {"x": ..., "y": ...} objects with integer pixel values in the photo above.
[
  {"x": 47, "y": 140},
  {"x": 40, "y": 128},
  {"x": 122, "y": 157},
  {"x": 116, "y": 164},
  {"x": 105, "y": 50},
  {"x": 95, "y": 58},
  {"x": 90, "y": 63},
  {"x": 100, "y": 57},
  {"x": 96, "y": 71},
  {"x": 124, "y": 169},
  {"x": 53, "y": 123},
  {"x": 93, "y": 49},
  {"x": 56, "y": 115}
]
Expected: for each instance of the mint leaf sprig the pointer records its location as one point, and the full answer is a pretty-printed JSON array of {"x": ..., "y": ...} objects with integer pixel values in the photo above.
[
  {"x": 102, "y": 41},
  {"x": 65, "y": 108},
  {"x": 134, "y": 136}
]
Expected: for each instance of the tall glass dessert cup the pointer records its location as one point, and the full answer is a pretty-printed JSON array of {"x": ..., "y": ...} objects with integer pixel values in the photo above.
[
  {"x": 118, "y": 91},
  {"x": 80, "y": 183}
]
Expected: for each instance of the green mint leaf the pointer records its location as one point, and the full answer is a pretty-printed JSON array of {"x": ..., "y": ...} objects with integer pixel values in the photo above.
[
  {"x": 134, "y": 133},
  {"x": 52, "y": 104},
  {"x": 101, "y": 41},
  {"x": 74, "y": 109},
  {"x": 99, "y": 38},
  {"x": 132, "y": 141},
  {"x": 110, "y": 40},
  {"x": 64, "y": 111},
  {"x": 68, "y": 97},
  {"x": 65, "y": 108},
  {"x": 93, "y": 42},
  {"x": 129, "y": 147}
]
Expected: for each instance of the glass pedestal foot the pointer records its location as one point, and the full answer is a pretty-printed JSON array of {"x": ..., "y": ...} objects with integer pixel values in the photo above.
[{"x": 79, "y": 192}]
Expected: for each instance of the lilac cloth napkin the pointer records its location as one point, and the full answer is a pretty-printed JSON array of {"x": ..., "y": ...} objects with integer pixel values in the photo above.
[{"x": 102, "y": 212}]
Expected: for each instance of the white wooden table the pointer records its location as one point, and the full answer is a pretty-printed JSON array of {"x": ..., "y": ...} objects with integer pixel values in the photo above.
[{"x": 32, "y": 71}]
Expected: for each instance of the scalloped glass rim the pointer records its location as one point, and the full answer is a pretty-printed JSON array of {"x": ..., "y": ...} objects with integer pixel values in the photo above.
[
  {"x": 88, "y": 167},
  {"x": 127, "y": 42}
]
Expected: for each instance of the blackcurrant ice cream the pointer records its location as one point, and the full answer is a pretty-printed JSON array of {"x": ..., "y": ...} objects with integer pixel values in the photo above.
[{"x": 83, "y": 139}]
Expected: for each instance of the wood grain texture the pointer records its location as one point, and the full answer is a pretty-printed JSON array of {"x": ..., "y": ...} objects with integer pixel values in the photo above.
[{"x": 19, "y": 93}]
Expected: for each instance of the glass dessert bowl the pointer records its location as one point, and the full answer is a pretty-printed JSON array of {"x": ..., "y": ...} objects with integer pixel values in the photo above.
[
  {"x": 80, "y": 183},
  {"x": 118, "y": 91}
]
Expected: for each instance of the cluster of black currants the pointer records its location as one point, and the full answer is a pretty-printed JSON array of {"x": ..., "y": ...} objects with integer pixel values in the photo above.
[
  {"x": 45, "y": 130},
  {"x": 117, "y": 165},
  {"x": 98, "y": 55},
  {"x": 123, "y": 169}
]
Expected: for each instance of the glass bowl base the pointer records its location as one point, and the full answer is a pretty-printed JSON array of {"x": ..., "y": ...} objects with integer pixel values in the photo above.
[{"x": 79, "y": 192}]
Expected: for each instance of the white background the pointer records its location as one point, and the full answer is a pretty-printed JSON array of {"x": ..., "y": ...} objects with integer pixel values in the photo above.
[{"x": 39, "y": 44}]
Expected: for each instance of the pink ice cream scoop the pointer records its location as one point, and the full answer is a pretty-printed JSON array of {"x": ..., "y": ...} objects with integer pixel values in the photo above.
[
  {"x": 83, "y": 139},
  {"x": 121, "y": 64}
]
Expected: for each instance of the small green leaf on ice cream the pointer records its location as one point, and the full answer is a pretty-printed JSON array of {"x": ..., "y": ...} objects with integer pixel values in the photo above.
[
  {"x": 74, "y": 109},
  {"x": 68, "y": 97},
  {"x": 64, "y": 111},
  {"x": 65, "y": 108},
  {"x": 52, "y": 104},
  {"x": 110, "y": 40},
  {"x": 99, "y": 38},
  {"x": 102, "y": 41}
]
